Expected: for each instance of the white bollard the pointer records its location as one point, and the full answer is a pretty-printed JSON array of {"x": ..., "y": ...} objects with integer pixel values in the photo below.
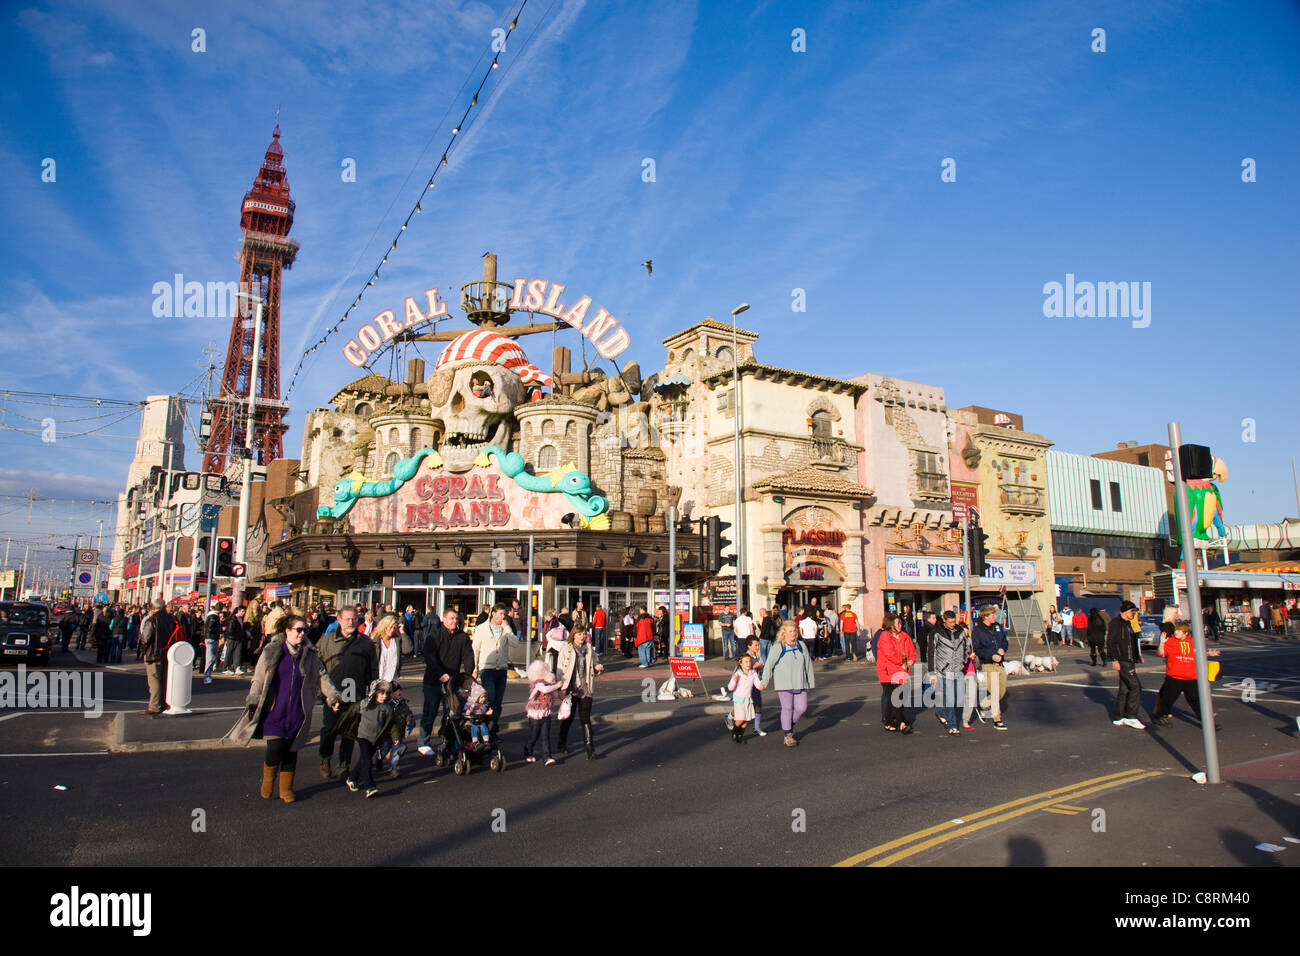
[{"x": 180, "y": 674}]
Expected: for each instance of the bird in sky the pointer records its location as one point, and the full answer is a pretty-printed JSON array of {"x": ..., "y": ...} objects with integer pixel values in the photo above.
[{"x": 649, "y": 267}]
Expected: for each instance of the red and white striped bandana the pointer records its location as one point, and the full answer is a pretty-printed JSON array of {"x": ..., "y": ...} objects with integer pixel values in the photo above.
[{"x": 486, "y": 345}]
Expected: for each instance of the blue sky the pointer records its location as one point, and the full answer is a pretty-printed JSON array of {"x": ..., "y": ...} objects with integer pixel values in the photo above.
[{"x": 775, "y": 171}]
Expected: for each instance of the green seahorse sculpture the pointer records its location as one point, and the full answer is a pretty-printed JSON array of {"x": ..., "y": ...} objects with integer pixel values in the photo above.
[
  {"x": 567, "y": 480},
  {"x": 355, "y": 486}
]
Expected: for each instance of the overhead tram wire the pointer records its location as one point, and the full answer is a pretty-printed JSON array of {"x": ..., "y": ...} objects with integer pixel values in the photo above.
[{"x": 416, "y": 209}]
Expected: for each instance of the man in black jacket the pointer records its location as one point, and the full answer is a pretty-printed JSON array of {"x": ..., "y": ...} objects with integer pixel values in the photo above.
[
  {"x": 350, "y": 660},
  {"x": 1122, "y": 646},
  {"x": 447, "y": 655},
  {"x": 155, "y": 632}
]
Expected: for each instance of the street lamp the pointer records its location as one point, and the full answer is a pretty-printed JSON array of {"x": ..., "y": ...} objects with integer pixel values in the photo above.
[
  {"x": 741, "y": 598},
  {"x": 245, "y": 489}
]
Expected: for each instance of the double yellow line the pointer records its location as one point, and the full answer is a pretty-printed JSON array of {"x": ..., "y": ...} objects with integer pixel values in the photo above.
[{"x": 895, "y": 850}]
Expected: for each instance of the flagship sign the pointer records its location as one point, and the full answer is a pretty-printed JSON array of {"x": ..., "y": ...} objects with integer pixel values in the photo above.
[
  {"x": 1000, "y": 572},
  {"x": 384, "y": 326},
  {"x": 805, "y": 546}
]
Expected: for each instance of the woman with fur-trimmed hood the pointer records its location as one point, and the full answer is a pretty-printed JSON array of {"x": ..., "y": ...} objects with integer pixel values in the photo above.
[{"x": 286, "y": 682}]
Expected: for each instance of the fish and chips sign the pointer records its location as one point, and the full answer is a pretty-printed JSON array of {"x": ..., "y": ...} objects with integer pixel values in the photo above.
[{"x": 541, "y": 296}]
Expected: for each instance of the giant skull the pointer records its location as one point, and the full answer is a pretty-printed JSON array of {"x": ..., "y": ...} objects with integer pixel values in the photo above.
[{"x": 472, "y": 405}]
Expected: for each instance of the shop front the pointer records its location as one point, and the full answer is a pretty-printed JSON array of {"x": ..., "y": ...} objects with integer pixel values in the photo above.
[{"x": 935, "y": 583}]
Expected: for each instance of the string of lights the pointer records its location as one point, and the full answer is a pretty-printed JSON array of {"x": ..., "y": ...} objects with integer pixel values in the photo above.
[{"x": 498, "y": 47}]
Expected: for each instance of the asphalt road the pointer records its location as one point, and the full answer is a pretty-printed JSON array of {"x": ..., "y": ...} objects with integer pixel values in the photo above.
[{"x": 678, "y": 791}]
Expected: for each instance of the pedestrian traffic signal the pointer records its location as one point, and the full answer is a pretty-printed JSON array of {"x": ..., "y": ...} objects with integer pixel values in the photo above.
[
  {"x": 1195, "y": 461},
  {"x": 979, "y": 555},
  {"x": 715, "y": 544},
  {"x": 225, "y": 557}
]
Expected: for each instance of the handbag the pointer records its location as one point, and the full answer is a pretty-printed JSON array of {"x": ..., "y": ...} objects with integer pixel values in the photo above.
[{"x": 566, "y": 708}]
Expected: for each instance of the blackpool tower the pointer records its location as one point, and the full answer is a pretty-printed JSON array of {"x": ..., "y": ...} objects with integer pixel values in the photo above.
[{"x": 265, "y": 219}]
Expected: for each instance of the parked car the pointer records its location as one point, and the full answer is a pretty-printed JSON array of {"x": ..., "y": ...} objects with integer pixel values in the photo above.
[
  {"x": 1150, "y": 636},
  {"x": 25, "y": 632}
]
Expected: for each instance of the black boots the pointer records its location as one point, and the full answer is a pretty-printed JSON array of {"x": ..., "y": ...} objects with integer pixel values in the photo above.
[{"x": 591, "y": 744}]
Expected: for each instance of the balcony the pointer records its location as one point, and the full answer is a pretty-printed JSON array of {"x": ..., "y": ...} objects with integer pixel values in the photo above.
[
  {"x": 674, "y": 417},
  {"x": 832, "y": 451},
  {"x": 1022, "y": 499}
]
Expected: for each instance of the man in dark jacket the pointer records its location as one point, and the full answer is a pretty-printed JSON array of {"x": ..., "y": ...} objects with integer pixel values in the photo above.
[
  {"x": 233, "y": 650},
  {"x": 448, "y": 654},
  {"x": 155, "y": 633},
  {"x": 989, "y": 640},
  {"x": 1122, "y": 646},
  {"x": 350, "y": 660}
]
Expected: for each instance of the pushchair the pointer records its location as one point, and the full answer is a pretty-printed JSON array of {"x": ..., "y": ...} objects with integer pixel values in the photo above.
[{"x": 456, "y": 749}]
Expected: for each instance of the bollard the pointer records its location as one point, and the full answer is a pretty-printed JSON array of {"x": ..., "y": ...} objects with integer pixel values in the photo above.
[{"x": 180, "y": 658}]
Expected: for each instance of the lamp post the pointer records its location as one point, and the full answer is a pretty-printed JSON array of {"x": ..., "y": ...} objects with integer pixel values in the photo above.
[
  {"x": 167, "y": 516},
  {"x": 741, "y": 598},
  {"x": 246, "y": 483}
]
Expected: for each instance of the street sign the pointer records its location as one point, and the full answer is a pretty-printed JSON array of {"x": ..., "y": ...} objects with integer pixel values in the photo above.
[
  {"x": 959, "y": 510},
  {"x": 83, "y": 585},
  {"x": 87, "y": 556},
  {"x": 238, "y": 570},
  {"x": 691, "y": 644},
  {"x": 685, "y": 667}
]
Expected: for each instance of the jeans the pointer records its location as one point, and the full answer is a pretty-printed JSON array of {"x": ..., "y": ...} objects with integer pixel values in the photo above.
[
  {"x": 645, "y": 650},
  {"x": 946, "y": 699},
  {"x": 494, "y": 682},
  {"x": 831, "y": 637},
  {"x": 234, "y": 655},
  {"x": 763, "y": 648},
  {"x": 433, "y": 699},
  {"x": 1067, "y": 633},
  {"x": 391, "y": 752},
  {"x": 115, "y": 651},
  {"x": 1129, "y": 701},
  {"x": 794, "y": 704},
  {"x": 728, "y": 642},
  {"x": 539, "y": 728},
  {"x": 848, "y": 642},
  {"x": 361, "y": 774},
  {"x": 480, "y": 733},
  {"x": 598, "y": 638},
  {"x": 210, "y": 658},
  {"x": 893, "y": 696}
]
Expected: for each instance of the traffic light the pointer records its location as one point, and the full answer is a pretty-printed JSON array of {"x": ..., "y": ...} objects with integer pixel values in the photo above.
[
  {"x": 715, "y": 544},
  {"x": 979, "y": 555},
  {"x": 225, "y": 557}
]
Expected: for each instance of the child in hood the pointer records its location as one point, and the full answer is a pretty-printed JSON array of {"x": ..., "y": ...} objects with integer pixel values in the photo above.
[
  {"x": 373, "y": 716},
  {"x": 542, "y": 691},
  {"x": 476, "y": 708}
]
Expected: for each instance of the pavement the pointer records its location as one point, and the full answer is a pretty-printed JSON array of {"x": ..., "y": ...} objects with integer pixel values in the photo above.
[{"x": 1061, "y": 788}]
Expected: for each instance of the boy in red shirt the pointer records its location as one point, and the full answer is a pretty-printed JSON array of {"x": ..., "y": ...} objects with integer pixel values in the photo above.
[
  {"x": 849, "y": 631},
  {"x": 1179, "y": 653}
]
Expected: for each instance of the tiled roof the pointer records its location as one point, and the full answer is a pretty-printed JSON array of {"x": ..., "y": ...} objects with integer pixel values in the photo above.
[
  {"x": 810, "y": 480},
  {"x": 709, "y": 323},
  {"x": 725, "y": 373},
  {"x": 373, "y": 383},
  {"x": 655, "y": 453}
]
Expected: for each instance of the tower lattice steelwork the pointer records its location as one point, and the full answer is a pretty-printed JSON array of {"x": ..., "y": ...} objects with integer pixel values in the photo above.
[{"x": 265, "y": 218}]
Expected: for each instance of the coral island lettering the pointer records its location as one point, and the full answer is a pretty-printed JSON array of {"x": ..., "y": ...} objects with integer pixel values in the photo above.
[
  {"x": 486, "y": 510},
  {"x": 368, "y": 340}
]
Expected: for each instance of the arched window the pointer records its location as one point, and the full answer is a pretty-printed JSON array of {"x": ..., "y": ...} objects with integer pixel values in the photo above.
[
  {"x": 363, "y": 409},
  {"x": 415, "y": 439},
  {"x": 548, "y": 458},
  {"x": 724, "y": 354},
  {"x": 392, "y": 436},
  {"x": 389, "y": 462},
  {"x": 688, "y": 356},
  {"x": 821, "y": 424}
]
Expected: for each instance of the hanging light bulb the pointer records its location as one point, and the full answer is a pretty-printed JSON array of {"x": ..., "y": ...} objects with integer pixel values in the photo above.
[
  {"x": 494, "y": 63},
  {"x": 455, "y": 131},
  {"x": 417, "y": 208},
  {"x": 474, "y": 101},
  {"x": 444, "y": 159},
  {"x": 403, "y": 227}
]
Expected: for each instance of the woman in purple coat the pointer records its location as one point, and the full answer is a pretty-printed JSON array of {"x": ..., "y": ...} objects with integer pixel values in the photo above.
[{"x": 288, "y": 678}]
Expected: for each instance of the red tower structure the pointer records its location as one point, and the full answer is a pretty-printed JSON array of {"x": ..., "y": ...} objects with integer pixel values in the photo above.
[{"x": 265, "y": 218}]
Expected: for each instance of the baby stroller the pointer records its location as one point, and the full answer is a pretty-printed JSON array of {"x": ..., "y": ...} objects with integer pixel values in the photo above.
[{"x": 457, "y": 743}]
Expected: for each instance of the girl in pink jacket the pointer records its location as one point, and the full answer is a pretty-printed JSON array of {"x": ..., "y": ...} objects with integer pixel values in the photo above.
[
  {"x": 542, "y": 690},
  {"x": 742, "y": 685}
]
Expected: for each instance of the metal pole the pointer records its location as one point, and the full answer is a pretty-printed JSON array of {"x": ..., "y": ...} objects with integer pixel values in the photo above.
[
  {"x": 245, "y": 489},
  {"x": 1194, "y": 611},
  {"x": 965, "y": 570},
  {"x": 528, "y": 606},
  {"x": 6, "y": 567},
  {"x": 167, "y": 503},
  {"x": 99, "y": 555},
  {"x": 23, "y": 585},
  {"x": 742, "y": 598},
  {"x": 672, "y": 580},
  {"x": 1297, "y": 495}
]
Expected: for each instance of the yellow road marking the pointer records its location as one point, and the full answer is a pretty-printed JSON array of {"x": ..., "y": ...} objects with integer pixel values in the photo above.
[
  {"x": 1025, "y": 805},
  {"x": 1066, "y": 806},
  {"x": 1068, "y": 813}
]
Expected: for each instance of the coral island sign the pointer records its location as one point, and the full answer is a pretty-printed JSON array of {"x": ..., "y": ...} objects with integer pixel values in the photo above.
[{"x": 530, "y": 295}]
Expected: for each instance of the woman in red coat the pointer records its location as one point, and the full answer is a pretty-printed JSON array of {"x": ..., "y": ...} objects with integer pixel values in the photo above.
[
  {"x": 645, "y": 637},
  {"x": 895, "y": 656}
]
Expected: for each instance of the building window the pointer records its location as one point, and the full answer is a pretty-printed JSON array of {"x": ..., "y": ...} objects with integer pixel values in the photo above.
[
  {"x": 548, "y": 458},
  {"x": 1096, "y": 494},
  {"x": 821, "y": 424},
  {"x": 724, "y": 354},
  {"x": 1114, "y": 497},
  {"x": 389, "y": 462},
  {"x": 929, "y": 473},
  {"x": 392, "y": 436},
  {"x": 1144, "y": 459},
  {"x": 415, "y": 438},
  {"x": 688, "y": 356},
  {"x": 363, "y": 410},
  {"x": 724, "y": 402}
]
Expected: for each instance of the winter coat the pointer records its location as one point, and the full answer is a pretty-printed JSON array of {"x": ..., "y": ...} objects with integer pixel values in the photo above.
[
  {"x": 949, "y": 651},
  {"x": 645, "y": 629},
  {"x": 445, "y": 652},
  {"x": 261, "y": 695},
  {"x": 1096, "y": 628},
  {"x": 788, "y": 668},
  {"x": 492, "y": 653},
  {"x": 155, "y": 636},
  {"x": 349, "y": 659},
  {"x": 212, "y": 627},
  {"x": 373, "y": 720},
  {"x": 770, "y": 629},
  {"x": 566, "y": 667},
  {"x": 1121, "y": 642},
  {"x": 988, "y": 641},
  {"x": 894, "y": 655}
]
